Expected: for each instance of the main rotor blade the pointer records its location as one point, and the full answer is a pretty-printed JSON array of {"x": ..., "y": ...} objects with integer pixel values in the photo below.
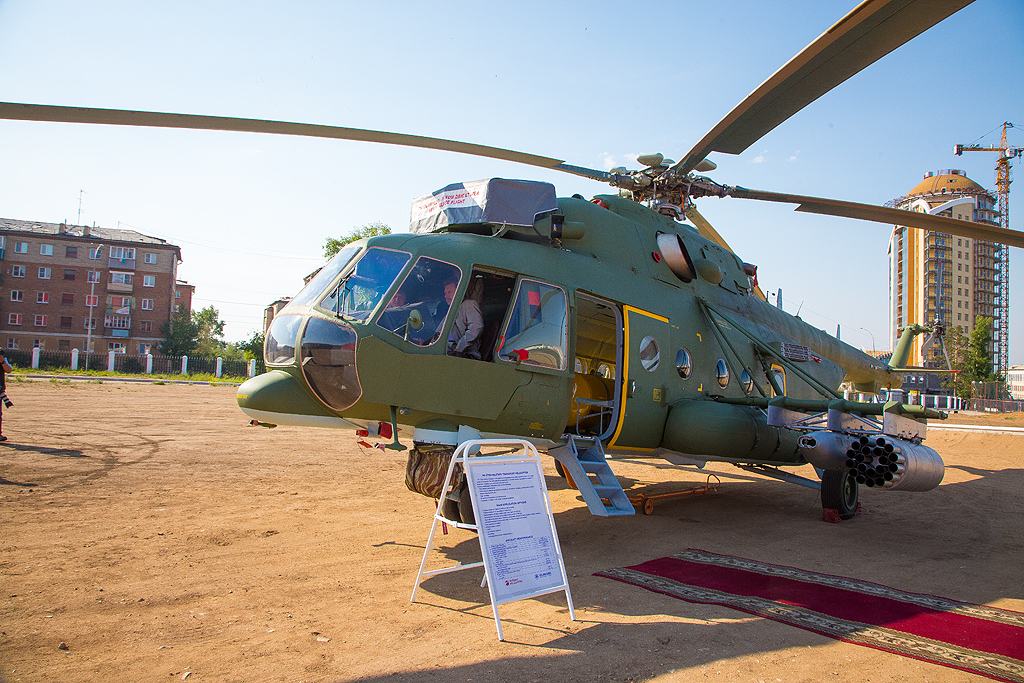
[
  {"x": 872, "y": 30},
  {"x": 124, "y": 117},
  {"x": 883, "y": 214}
]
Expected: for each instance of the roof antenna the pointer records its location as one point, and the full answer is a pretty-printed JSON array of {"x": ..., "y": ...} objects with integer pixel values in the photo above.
[{"x": 798, "y": 309}]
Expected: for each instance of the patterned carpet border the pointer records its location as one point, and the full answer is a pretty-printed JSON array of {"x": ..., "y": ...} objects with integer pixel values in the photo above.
[{"x": 992, "y": 665}]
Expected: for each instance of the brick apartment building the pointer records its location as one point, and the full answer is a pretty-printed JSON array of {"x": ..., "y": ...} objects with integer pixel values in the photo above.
[{"x": 57, "y": 279}]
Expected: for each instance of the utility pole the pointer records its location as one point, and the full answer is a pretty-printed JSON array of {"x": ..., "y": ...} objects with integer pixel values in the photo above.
[{"x": 1002, "y": 322}]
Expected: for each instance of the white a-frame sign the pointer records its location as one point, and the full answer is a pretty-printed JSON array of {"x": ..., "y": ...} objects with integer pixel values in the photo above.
[{"x": 518, "y": 540}]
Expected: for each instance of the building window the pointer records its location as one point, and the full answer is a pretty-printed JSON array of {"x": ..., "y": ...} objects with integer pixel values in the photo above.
[
  {"x": 40, "y": 321},
  {"x": 967, "y": 267},
  {"x": 120, "y": 278},
  {"x": 959, "y": 316},
  {"x": 94, "y": 253},
  {"x": 150, "y": 258},
  {"x": 123, "y": 253},
  {"x": 17, "y": 271},
  {"x": 116, "y": 347},
  {"x": 177, "y": 294},
  {"x": 42, "y": 297},
  {"x": 177, "y": 308},
  {"x": 65, "y": 322},
  {"x": 46, "y": 250},
  {"x": 12, "y": 343},
  {"x": 959, "y": 266},
  {"x": 89, "y": 322},
  {"x": 17, "y": 295},
  {"x": 147, "y": 325},
  {"x": 117, "y": 322},
  {"x": 67, "y": 299},
  {"x": 149, "y": 280},
  {"x": 38, "y": 344},
  {"x": 147, "y": 304},
  {"x": 92, "y": 276},
  {"x": 14, "y": 319},
  {"x": 71, "y": 252},
  {"x": 92, "y": 301},
  {"x": 44, "y": 273},
  {"x": 144, "y": 349},
  {"x": 21, "y": 247},
  {"x": 69, "y": 274},
  {"x": 967, "y": 280}
]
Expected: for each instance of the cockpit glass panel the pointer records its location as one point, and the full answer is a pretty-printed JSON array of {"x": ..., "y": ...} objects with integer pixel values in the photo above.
[
  {"x": 360, "y": 291},
  {"x": 424, "y": 299},
  {"x": 323, "y": 279},
  {"x": 536, "y": 333},
  {"x": 280, "y": 344}
]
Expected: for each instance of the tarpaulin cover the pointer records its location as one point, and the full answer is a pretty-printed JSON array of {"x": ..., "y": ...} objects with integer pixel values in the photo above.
[{"x": 495, "y": 200}]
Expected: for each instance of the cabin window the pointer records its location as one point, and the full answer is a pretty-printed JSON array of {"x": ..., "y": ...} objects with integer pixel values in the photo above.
[
  {"x": 746, "y": 381},
  {"x": 684, "y": 365},
  {"x": 358, "y": 294},
  {"x": 722, "y": 373},
  {"x": 650, "y": 355},
  {"x": 325, "y": 276},
  {"x": 536, "y": 333},
  {"x": 418, "y": 309}
]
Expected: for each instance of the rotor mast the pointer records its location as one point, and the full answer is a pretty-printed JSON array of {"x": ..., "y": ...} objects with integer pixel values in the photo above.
[{"x": 1002, "y": 324}]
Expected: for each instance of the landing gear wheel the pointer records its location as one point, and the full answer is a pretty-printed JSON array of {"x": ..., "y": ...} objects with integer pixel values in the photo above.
[
  {"x": 565, "y": 475},
  {"x": 840, "y": 492},
  {"x": 466, "y": 507},
  {"x": 559, "y": 469},
  {"x": 450, "y": 509}
]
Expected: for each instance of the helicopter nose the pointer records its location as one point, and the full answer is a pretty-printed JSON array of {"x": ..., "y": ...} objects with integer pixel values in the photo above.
[{"x": 277, "y": 397}]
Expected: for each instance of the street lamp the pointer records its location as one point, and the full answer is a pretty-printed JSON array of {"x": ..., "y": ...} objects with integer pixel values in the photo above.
[
  {"x": 872, "y": 339},
  {"x": 91, "y": 305}
]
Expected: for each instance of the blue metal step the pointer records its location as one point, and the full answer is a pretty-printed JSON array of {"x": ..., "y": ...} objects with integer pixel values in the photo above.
[{"x": 593, "y": 478}]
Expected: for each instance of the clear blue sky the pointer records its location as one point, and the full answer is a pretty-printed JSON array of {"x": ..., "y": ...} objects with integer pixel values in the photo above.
[{"x": 594, "y": 83}]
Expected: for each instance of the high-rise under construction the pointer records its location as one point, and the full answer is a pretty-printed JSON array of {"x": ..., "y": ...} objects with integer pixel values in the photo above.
[{"x": 938, "y": 277}]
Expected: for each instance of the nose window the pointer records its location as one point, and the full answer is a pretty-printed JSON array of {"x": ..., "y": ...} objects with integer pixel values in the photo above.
[{"x": 329, "y": 362}]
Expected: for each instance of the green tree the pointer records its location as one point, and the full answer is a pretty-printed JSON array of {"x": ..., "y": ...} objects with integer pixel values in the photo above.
[
  {"x": 332, "y": 246},
  {"x": 253, "y": 346},
  {"x": 209, "y": 332},
  {"x": 970, "y": 357},
  {"x": 181, "y": 335}
]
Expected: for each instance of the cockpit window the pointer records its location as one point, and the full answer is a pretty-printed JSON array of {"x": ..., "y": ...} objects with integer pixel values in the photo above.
[
  {"x": 358, "y": 294},
  {"x": 424, "y": 298},
  {"x": 536, "y": 331},
  {"x": 280, "y": 344},
  {"x": 323, "y": 279}
]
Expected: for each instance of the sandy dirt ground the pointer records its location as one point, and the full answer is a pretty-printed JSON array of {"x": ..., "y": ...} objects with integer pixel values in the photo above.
[{"x": 157, "y": 536}]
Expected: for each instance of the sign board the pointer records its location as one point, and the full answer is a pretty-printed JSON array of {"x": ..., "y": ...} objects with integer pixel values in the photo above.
[
  {"x": 517, "y": 534},
  {"x": 514, "y": 524}
]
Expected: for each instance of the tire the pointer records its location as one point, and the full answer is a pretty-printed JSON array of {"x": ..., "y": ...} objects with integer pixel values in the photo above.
[
  {"x": 840, "y": 492},
  {"x": 465, "y": 506},
  {"x": 559, "y": 469},
  {"x": 450, "y": 510}
]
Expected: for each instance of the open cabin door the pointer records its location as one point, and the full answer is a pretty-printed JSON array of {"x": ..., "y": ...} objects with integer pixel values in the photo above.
[
  {"x": 597, "y": 374},
  {"x": 641, "y": 418}
]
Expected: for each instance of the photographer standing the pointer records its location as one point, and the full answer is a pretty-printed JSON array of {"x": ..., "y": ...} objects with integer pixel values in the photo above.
[{"x": 5, "y": 367}]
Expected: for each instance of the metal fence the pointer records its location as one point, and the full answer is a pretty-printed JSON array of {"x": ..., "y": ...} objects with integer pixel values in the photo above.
[{"x": 128, "y": 364}]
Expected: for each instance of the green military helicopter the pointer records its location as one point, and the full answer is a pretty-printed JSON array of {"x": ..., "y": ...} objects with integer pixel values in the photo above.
[{"x": 621, "y": 325}]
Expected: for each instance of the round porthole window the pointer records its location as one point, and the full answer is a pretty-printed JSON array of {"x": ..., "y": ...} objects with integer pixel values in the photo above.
[
  {"x": 722, "y": 373},
  {"x": 650, "y": 355},
  {"x": 746, "y": 381},
  {"x": 684, "y": 366}
]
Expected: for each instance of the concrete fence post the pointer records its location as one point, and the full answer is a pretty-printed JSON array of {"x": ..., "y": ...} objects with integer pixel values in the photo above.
[
  {"x": 74, "y": 359},
  {"x": 220, "y": 366},
  {"x": 149, "y": 364},
  {"x": 252, "y": 368},
  {"x": 110, "y": 361},
  {"x": 35, "y": 358},
  {"x": 184, "y": 365}
]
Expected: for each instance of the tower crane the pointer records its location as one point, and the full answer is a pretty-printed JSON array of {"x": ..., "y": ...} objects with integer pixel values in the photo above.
[{"x": 1006, "y": 153}]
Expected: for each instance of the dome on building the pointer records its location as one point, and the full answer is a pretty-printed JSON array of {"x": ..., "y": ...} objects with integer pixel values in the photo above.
[{"x": 948, "y": 182}]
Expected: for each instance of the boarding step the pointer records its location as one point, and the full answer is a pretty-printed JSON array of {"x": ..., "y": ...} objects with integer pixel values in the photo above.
[{"x": 593, "y": 477}]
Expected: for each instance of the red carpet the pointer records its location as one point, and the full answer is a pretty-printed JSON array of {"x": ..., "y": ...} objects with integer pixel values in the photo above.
[{"x": 984, "y": 640}]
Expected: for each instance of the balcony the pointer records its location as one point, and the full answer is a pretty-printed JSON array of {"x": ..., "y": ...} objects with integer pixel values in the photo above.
[
  {"x": 121, "y": 263},
  {"x": 120, "y": 288}
]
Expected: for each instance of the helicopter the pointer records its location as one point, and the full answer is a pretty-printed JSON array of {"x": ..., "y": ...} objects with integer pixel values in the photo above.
[{"x": 622, "y": 325}]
